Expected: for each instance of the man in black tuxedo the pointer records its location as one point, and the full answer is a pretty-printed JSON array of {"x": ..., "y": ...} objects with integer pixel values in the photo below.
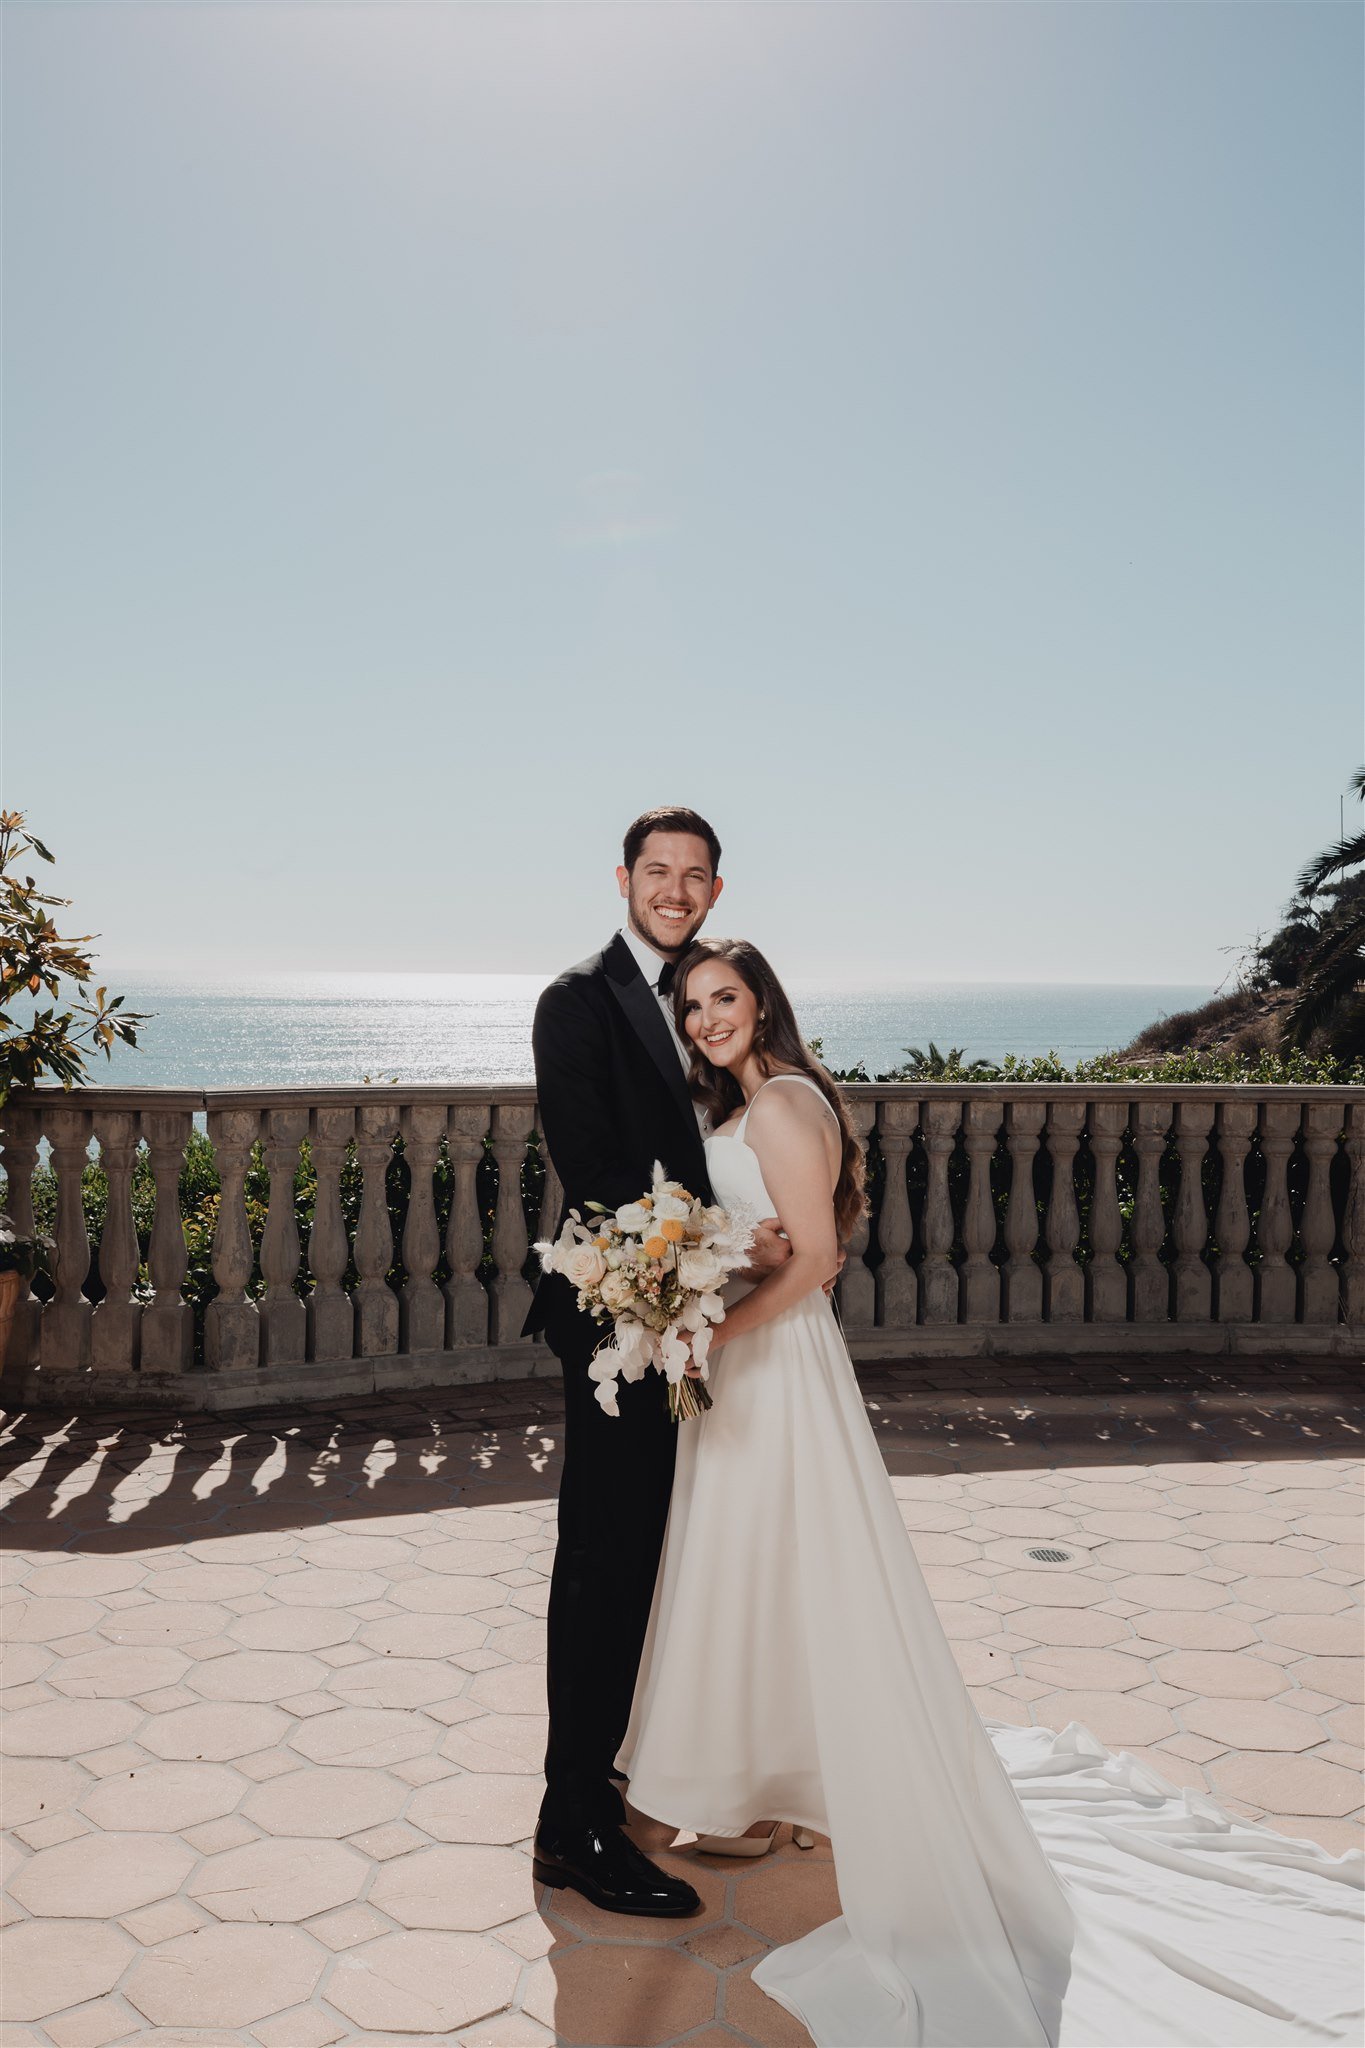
[{"x": 612, "y": 1086}]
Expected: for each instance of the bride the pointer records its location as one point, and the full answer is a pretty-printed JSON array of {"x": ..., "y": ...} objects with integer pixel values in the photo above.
[{"x": 1001, "y": 1887}]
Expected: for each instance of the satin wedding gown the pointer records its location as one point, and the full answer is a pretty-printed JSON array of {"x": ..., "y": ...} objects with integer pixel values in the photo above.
[{"x": 1001, "y": 1887}]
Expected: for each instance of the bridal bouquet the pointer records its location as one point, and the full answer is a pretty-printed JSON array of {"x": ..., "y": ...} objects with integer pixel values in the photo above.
[{"x": 654, "y": 1270}]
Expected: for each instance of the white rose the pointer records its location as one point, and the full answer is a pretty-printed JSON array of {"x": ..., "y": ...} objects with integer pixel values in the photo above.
[
  {"x": 699, "y": 1269},
  {"x": 616, "y": 1291},
  {"x": 584, "y": 1265},
  {"x": 633, "y": 1217},
  {"x": 666, "y": 1206}
]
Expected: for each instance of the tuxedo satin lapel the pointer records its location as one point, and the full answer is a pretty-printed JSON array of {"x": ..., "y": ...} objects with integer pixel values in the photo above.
[{"x": 641, "y": 1006}]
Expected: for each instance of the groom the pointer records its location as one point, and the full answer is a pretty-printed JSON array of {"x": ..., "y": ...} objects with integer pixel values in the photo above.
[{"x": 611, "y": 1078}]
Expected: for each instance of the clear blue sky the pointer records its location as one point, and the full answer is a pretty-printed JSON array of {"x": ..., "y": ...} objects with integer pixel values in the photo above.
[{"x": 925, "y": 437}]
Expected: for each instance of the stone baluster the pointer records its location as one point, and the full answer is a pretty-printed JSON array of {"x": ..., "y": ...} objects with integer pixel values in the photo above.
[
  {"x": 1321, "y": 1286},
  {"x": 511, "y": 1295},
  {"x": 20, "y": 1132},
  {"x": 895, "y": 1279},
  {"x": 115, "y": 1325},
  {"x": 551, "y": 1196},
  {"x": 466, "y": 1296},
  {"x": 1023, "y": 1296},
  {"x": 1193, "y": 1280},
  {"x": 376, "y": 1304},
  {"x": 1232, "y": 1275},
  {"x": 167, "y": 1319},
  {"x": 937, "y": 1274},
  {"x": 232, "y": 1324},
  {"x": 1063, "y": 1278},
  {"x": 1353, "y": 1222},
  {"x": 1106, "y": 1283},
  {"x": 857, "y": 1288},
  {"x": 64, "y": 1342},
  {"x": 1151, "y": 1281},
  {"x": 330, "y": 1312},
  {"x": 421, "y": 1305},
  {"x": 284, "y": 1318},
  {"x": 1276, "y": 1280},
  {"x": 979, "y": 1276}
]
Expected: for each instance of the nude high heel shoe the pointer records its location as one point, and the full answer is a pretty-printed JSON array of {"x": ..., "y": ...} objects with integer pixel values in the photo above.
[{"x": 737, "y": 1845}]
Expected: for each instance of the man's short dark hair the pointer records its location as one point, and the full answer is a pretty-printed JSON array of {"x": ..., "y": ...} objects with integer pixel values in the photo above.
[{"x": 669, "y": 818}]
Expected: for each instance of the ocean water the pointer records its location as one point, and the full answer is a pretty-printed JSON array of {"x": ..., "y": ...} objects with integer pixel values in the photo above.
[{"x": 302, "y": 1029}]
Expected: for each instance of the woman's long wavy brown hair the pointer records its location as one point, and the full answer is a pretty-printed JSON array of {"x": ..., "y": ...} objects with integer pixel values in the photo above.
[{"x": 778, "y": 1047}]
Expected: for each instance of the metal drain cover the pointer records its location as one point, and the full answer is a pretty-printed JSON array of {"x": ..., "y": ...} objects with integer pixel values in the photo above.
[{"x": 1046, "y": 1556}]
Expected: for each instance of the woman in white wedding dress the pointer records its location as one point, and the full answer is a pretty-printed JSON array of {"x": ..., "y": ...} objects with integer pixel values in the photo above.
[{"x": 1001, "y": 1887}]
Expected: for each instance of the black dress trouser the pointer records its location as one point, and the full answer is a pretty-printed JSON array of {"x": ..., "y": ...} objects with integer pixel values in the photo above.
[{"x": 613, "y": 1509}]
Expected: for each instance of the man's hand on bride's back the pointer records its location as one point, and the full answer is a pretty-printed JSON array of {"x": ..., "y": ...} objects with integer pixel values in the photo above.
[{"x": 771, "y": 1248}]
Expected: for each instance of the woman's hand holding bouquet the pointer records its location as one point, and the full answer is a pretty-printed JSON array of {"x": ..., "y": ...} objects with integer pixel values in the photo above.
[{"x": 654, "y": 1270}]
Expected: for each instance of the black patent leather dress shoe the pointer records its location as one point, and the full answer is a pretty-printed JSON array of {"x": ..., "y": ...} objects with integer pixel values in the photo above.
[{"x": 607, "y": 1868}]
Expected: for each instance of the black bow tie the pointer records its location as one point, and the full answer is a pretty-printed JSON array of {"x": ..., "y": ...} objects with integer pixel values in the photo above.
[{"x": 666, "y": 974}]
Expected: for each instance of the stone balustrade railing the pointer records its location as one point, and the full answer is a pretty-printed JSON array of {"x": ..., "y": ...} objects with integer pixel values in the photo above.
[{"x": 1194, "y": 1218}]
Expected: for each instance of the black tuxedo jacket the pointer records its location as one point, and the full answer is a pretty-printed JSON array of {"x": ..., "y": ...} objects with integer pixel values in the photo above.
[{"x": 613, "y": 1099}]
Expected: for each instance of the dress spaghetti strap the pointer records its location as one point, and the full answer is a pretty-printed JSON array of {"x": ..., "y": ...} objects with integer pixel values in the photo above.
[{"x": 738, "y": 1131}]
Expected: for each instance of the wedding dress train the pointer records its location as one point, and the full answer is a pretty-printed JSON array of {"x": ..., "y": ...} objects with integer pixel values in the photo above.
[{"x": 1001, "y": 1887}]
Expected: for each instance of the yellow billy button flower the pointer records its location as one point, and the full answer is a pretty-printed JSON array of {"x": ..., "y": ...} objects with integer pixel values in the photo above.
[
  {"x": 671, "y": 1228},
  {"x": 655, "y": 1247}
]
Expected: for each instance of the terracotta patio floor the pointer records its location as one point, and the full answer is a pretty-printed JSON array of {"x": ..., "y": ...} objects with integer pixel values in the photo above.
[{"x": 273, "y": 1690}]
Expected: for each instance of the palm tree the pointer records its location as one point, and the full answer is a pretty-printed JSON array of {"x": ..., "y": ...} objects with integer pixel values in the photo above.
[
  {"x": 938, "y": 1066},
  {"x": 1332, "y": 975}
]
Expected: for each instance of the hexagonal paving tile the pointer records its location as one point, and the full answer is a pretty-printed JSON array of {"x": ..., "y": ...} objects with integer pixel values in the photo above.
[
  {"x": 21, "y": 1663},
  {"x": 498, "y": 1742},
  {"x": 1288, "y": 1784},
  {"x": 321, "y": 1588},
  {"x": 165, "y": 1621},
  {"x": 787, "y": 1899},
  {"x": 602, "y": 1996},
  {"x": 66, "y": 1728},
  {"x": 191, "y": 1582},
  {"x": 397, "y": 1682},
  {"x": 256, "y": 1675},
  {"x": 47, "y": 1621},
  {"x": 417, "y": 1983},
  {"x": 469, "y": 1557},
  {"x": 1081, "y": 1669},
  {"x": 429, "y": 1635},
  {"x": 46, "y": 1965},
  {"x": 326, "y": 1803},
  {"x": 511, "y": 1689},
  {"x": 226, "y": 1975},
  {"x": 32, "y": 1786},
  {"x": 280, "y": 1878},
  {"x": 1118, "y": 1719},
  {"x": 163, "y": 1797},
  {"x": 1220, "y": 1675},
  {"x": 293, "y": 1628},
  {"x": 466, "y": 1888},
  {"x": 335, "y": 1551},
  {"x": 1251, "y": 1724},
  {"x": 480, "y": 1807},
  {"x": 1183, "y": 1629},
  {"x": 1342, "y": 1677},
  {"x": 86, "y": 1577},
  {"x": 117, "y": 1673},
  {"x": 98, "y": 1877},
  {"x": 214, "y": 1731},
  {"x": 364, "y": 1735},
  {"x": 448, "y": 1595},
  {"x": 1324, "y": 1635}
]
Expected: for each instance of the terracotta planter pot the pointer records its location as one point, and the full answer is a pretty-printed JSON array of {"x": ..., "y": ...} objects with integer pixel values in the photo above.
[{"x": 13, "y": 1289}]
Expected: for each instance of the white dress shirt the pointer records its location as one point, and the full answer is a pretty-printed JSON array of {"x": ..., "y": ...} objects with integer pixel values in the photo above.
[{"x": 650, "y": 963}]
